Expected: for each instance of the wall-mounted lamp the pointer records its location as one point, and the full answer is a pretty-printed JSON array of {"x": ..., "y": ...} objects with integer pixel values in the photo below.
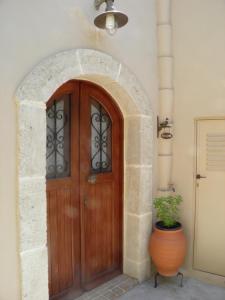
[
  {"x": 111, "y": 19},
  {"x": 165, "y": 126}
]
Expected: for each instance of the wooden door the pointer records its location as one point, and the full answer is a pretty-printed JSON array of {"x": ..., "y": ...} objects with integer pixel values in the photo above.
[
  {"x": 101, "y": 189},
  {"x": 209, "y": 246},
  {"x": 63, "y": 190},
  {"x": 84, "y": 189}
]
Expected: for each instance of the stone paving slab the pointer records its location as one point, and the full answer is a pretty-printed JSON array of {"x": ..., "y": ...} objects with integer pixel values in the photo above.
[
  {"x": 170, "y": 290},
  {"x": 113, "y": 289}
]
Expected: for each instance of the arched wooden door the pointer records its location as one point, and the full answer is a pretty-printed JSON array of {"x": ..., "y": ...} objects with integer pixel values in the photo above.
[{"x": 84, "y": 189}]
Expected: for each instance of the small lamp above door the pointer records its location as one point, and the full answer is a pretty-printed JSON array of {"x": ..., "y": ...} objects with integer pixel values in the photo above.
[{"x": 111, "y": 19}]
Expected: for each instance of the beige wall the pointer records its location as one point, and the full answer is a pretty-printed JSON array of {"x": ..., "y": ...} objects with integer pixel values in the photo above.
[
  {"x": 199, "y": 82},
  {"x": 31, "y": 31}
]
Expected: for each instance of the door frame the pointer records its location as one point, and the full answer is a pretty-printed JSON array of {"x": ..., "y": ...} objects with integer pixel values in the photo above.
[
  {"x": 196, "y": 120},
  {"x": 31, "y": 97},
  {"x": 75, "y": 88}
]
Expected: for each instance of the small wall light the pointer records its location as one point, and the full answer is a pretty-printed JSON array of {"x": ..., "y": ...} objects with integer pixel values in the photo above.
[
  {"x": 111, "y": 19},
  {"x": 165, "y": 126}
]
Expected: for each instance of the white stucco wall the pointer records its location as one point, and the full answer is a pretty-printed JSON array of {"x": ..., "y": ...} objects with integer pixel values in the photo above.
[
  {"x": 199, "y": 82},
  {"x": 31, "y": 31}
]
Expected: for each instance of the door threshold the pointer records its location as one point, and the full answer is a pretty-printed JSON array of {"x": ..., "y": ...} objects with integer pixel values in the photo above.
[
  {"x": 112, "y": 289},
  {"x": 70, "y": 294}
]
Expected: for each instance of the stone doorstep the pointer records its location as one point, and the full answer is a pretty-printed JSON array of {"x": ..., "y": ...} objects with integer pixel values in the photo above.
[{"x": 112, "y": 289}]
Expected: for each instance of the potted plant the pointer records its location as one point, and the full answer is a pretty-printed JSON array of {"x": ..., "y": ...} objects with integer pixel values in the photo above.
[{"x": 167, "y": 242}]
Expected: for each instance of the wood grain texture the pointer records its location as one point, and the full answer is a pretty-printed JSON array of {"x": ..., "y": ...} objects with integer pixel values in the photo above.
[{"x": 85, "y": 220}]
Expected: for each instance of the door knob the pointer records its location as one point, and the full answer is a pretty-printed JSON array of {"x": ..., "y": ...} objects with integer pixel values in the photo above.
[
  {"x": 92, "y": 179},
  {"x": 198, "y": 176}
]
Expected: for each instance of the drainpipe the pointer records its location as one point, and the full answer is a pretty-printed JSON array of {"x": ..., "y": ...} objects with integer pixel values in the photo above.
[{"x": 166, "y": 94}]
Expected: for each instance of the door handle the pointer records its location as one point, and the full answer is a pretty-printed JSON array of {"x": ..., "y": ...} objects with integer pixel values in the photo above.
[
  {"x": 92, "y": 179},
  {"x": 198, "y": 176}
]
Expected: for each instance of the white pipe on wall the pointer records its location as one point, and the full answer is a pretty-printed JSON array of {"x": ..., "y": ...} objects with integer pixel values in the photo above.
[
  {"x": 164, "y": 40},
  {"x": 165, "y": 72},
  {"x": 165, "y": 172},
  {"x": 163, "y": 11},
  {"x": 166, "y": 93},
  {"x": 166, "y": 103}
]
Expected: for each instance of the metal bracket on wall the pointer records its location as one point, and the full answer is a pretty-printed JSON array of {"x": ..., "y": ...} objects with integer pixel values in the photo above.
[
  {"x": 172, "y": 187},
  {"x": 165, "y": 126},
  {"x": 98, "y": 3}
]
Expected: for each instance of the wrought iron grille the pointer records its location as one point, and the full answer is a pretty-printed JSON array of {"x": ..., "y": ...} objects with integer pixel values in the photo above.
[
  {"x": 58, "y": 139},
  {"x": 101, "y": 139}
]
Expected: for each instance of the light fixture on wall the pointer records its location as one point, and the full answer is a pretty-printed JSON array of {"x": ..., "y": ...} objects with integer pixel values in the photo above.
[
  {"x": 111, "y": 19},
  {"x": 165, "y": 127}
]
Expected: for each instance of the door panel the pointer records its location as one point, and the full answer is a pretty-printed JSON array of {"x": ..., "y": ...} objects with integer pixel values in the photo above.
[
  {"x": 60, "y": 242},
  {"x": 210, "y": 197},
  {"x": 98, "y": 220},
  {"x": 63, "y": 190},
  {"x": 102, "y": 203},
  {"x": 84, "y": 189}
]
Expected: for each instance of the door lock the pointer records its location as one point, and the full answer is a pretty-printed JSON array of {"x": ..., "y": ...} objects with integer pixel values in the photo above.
[
  {"x": 92, "y": 179},
  {"x": 198, "y": 176}
]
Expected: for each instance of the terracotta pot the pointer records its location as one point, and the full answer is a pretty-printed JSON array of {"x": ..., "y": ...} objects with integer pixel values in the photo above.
[{"x": 167, "y": 249}]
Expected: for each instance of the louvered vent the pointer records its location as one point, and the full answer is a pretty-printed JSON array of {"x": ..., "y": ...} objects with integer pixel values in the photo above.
[{"x": 216, "y": 152}]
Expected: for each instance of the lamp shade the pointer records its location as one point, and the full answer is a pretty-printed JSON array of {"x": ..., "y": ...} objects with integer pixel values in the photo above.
[{"x": 120, "y": 19}]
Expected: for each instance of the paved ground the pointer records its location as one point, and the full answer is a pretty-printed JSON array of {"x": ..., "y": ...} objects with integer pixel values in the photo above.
[
  {"x": 169, "y": 290},
  {"x": 112, "y": 289},
  {"x": 126, "y": 288}
]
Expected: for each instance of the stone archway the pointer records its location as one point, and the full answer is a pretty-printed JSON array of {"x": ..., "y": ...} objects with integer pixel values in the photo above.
[{"x": 31, "y": 98}]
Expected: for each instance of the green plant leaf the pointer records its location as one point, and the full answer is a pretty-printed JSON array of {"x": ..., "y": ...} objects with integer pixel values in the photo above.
[{"x": 167, "y": 209}]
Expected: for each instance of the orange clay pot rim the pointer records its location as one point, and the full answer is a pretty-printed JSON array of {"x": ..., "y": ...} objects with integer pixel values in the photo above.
[{"x": 168, "y": 229}]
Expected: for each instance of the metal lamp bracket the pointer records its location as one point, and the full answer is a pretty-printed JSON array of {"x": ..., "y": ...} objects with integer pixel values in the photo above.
[
  {"x": 165, "y": 125},
  {"x": 98, "y": 3},
  {"x": 119, "y": 19}
]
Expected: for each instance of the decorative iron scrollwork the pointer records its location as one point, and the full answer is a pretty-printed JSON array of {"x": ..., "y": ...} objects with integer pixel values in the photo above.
[
  {"x": 58, "y": 138},
  {"x": 101, "y": 132}
]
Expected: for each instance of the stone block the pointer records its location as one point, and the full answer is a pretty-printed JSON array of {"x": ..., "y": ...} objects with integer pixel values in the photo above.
[
  {"x": 139, "y": 140},
  {"x": 34, "y": 271},
  {"x": 139, "y": 270},
  {"x": 138, "y": 189},
  {"x": 138, "y": 230},
  {"x": 42, "y": 82},
  {"x": 95, "y": 62},
  {"x": 130, "y": 83},
  {"x": 125, "y": 102},
  {"x": 32, "y": 140},
  {"x": 32, "y": 213}
]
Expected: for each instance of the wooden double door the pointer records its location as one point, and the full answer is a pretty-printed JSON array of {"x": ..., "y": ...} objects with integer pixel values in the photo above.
[{"x": 84, "y": 188}]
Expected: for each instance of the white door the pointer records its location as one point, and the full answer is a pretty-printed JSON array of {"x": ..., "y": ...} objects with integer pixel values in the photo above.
[{"x": 209, "y": 246}]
